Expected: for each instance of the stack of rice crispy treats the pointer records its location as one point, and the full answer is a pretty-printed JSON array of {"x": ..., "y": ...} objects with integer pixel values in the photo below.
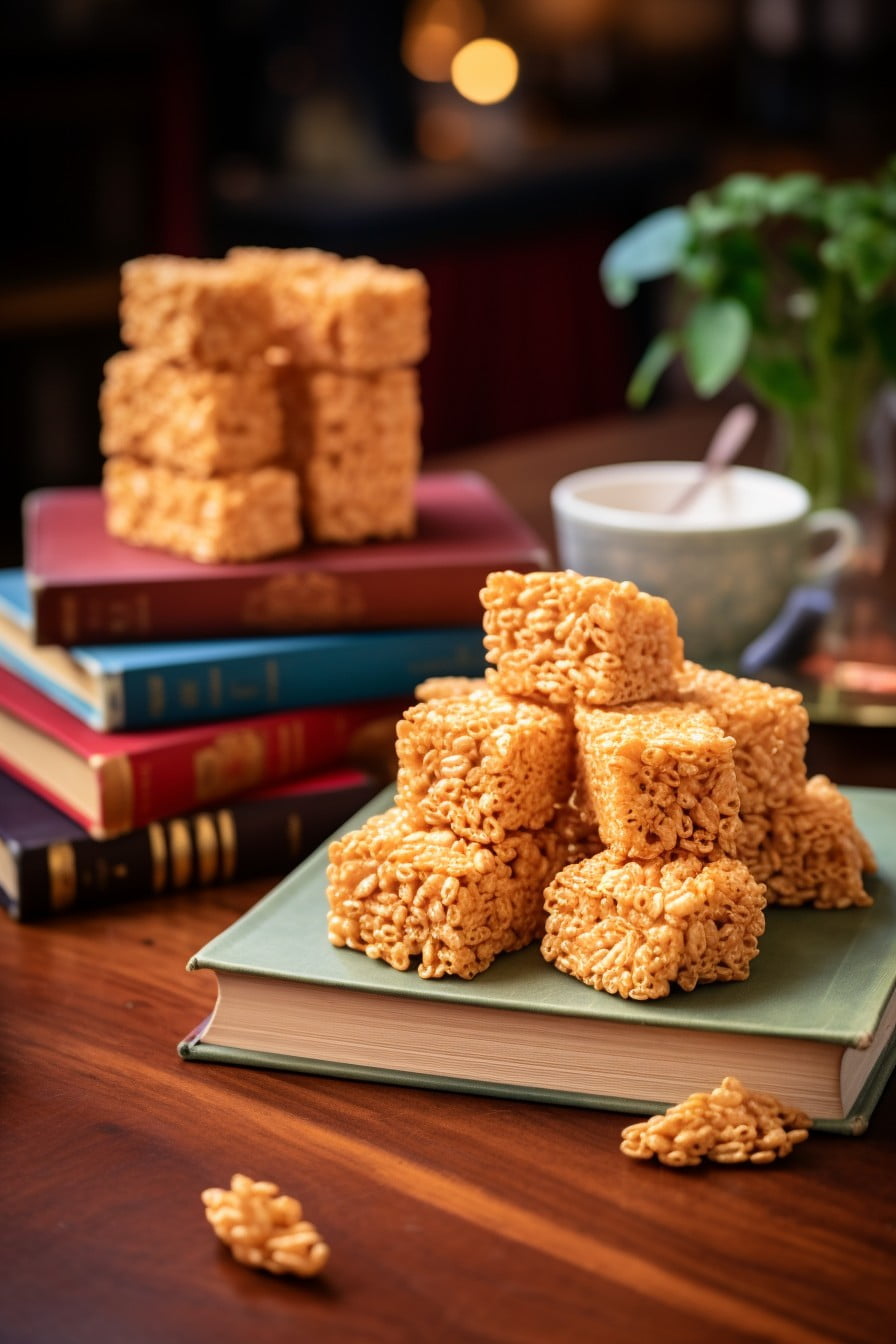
[
  {"x": 633, "y": 810},
  {"x": 265, "y": 399}
]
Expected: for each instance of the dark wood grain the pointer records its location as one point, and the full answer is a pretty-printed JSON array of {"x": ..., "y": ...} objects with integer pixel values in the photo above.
[{"x": 449, "y": 1217}]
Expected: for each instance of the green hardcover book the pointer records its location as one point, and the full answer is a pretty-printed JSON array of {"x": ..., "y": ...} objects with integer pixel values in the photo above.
[{"x": 815, "y": 1023}]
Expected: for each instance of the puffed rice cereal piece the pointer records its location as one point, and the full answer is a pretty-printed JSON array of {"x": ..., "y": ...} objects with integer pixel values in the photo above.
[
  {"x": 730, "y": 1124},
  {"x": 399, "y": 893},
  {"x": 483, "y": 765},
  {"x": 265, "y": 1229},
  {"x": 770, "y": 727},
  {"x": 810, "y": 852},
  {"x": 636, "y": 928},
  {"x": 655, "y": 777},
  {"x": 559, "y": 637}
]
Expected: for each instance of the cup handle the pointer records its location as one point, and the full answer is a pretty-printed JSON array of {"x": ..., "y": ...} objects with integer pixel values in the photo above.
[{"x": 847, "y": 539}]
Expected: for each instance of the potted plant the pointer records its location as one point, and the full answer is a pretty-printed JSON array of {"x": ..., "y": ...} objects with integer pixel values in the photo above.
[{"x": 788, "y": 283}]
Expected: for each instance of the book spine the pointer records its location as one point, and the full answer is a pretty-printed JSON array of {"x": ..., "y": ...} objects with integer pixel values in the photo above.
[
  {"x": 370, "y": 664},
  {"x": 229, "y": 759},
  {"x": 263, "y": 837},
  {"x": 233, "y": 604}
]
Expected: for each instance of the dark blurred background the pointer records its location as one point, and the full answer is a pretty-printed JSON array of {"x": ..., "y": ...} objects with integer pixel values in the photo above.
[{"x": 134, "y": 127}]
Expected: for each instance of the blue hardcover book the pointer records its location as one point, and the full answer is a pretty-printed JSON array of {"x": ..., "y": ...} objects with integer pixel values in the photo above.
[{"x": 132, "y": 686}]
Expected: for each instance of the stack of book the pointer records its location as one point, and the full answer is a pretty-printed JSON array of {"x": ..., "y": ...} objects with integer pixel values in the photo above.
[{"x": 168, "y": 724}]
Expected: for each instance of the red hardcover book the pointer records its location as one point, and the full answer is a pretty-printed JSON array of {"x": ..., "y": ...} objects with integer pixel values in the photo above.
[
  {"x": 114, "y": 782},
  {"x": 88, "y": 588}
]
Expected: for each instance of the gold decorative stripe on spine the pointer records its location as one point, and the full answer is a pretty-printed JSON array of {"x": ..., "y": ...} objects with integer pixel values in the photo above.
[
  {"x": 158, "y": 851},
  {"x": 181, "y": 853},
  {"x": 63, "y": 876},
  {"x": 206, "y": 838},
  {"x": 227, "y": 832},
  {"x": 115, "y": 781}
]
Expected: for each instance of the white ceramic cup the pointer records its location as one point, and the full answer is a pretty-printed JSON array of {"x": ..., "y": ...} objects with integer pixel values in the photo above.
[{"x": 726, "y": 563}]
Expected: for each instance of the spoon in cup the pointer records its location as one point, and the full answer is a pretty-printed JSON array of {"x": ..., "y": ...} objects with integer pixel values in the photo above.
[{"x": 725, "y": 445}]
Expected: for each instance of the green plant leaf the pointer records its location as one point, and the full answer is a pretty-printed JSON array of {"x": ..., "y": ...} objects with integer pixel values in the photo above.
[
  {"x": 715, "y": 339},
  {"x": 648, "y": 250},
  {"x": 780, "y": 380},
  {"x": 651, "y": 366},
  {"x": 795, "y": 194}
]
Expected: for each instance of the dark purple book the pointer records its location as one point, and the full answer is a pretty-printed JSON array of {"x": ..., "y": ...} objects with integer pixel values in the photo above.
[{"x": 49, "y": 864}]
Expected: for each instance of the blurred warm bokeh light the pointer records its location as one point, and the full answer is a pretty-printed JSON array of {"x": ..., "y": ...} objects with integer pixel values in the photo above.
[
  {"x": 434, "y": 31},
  {"x": 485, "y": 71}
]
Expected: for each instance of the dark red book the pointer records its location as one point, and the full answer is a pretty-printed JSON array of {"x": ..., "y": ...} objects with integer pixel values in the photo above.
[
  {"x": 50, "y": 865},
  {"x": 89, "y": 588},
  {"x": 115, "y": 782}
]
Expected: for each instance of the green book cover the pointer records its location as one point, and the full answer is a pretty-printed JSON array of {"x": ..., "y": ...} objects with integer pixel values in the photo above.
[{"x": 820, "y": 999}]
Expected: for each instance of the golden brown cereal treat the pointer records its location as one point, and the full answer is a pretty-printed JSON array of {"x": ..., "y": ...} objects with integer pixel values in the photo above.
[
  {"x": 729, "y": 1124},
  {"x": 637, "y": 928},
  {"x": 195, "y": 311},
  {"x": 809, "y": 852},
  {"x": 244, "y": 516},
  {"x": 400, "y": 893},
  {"x": 557, "y": 637},
  {"x": 355, "y": 315},
  {"x": 355, "y": 441},
  {"x": 448, "y": 688},
  {"x": 201, "y": 421},
  {"x": 769, "y": 725},
  {"x": 655, "y": 777},
  {"x": 265, "y": 1229},
  {"x": 483, "y": 764}
]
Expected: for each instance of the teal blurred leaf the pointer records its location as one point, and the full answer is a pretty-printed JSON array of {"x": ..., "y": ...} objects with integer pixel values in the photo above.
[{"x": 648, "y": 250}]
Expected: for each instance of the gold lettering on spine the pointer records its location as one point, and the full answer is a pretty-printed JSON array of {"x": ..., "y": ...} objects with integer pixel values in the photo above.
[
  {"x": 63, "y": 875},
  {"x": 115, "y": 781},
  {"x": 181, "y": 853},
  {"x": 206, "y": 835},
  {"x": 227, "y": 832},
  {"x": 158, "y": 851}
]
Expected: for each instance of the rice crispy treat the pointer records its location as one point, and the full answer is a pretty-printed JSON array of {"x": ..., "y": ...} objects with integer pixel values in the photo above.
[
  {"x": 354, "y": 315},
  {"x": 239, "y": 517},
  {"x": 355, "y": 441},
  {"x": 483, "y": 765},
  {"x": 811, "y": 851},
  {"x": 770, "y": 727},
  {"x": 730, "y": 1124},
  {"x": 637, "y": 928},
  {"x": 559, "y": 637},
  {"x": 199, "y": 420},
  {"x": 657, "y": 777},
  {"x": 447, "y": 688},
  {"x": 399, "y": 893},
  {"x": 203, "y": 312}
]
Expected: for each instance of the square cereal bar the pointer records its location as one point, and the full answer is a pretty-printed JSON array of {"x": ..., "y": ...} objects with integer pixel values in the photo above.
[
  {"x": 404, "y": 895},
  {"x": 809, "y": 852},
  {"x": 483, "y": 764},
  {"x": 355, "y": 441},
  {"x": 244, "y": 516},
  {"x": 200, "y": 420},
  {"x": 770, "y": 728},
  {"x": 561, "y": 637},
  {"x": 354, "y": 315},
  {"x": 657, "y": 777},
  {"x": 636, "y": 928},
  {"x": 201, "y": 311}
]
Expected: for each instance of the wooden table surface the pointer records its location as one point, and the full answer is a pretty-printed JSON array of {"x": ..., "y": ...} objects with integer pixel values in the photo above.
[{"x": 449, "y": 1217}]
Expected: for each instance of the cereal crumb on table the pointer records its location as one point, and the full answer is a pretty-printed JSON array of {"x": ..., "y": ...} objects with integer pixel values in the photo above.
[
  {"x": 264, "y": 1229},
  {"x": 730, "y": 1124}
]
